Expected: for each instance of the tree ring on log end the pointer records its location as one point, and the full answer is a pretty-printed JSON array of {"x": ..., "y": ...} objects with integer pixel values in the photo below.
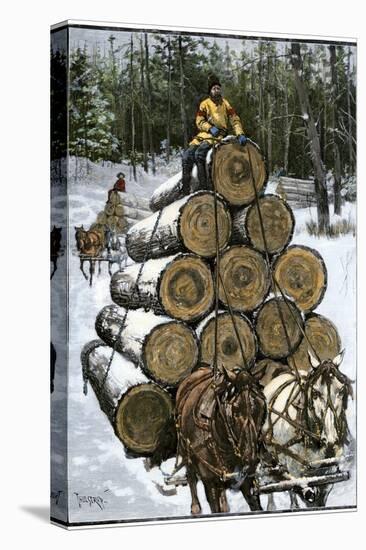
[
  {"x": 302, "y": 275},
  {"x": 278, "y": 224},
  {"x": 274, "y": 340},
  {"x": 229, "y": 352},
  {"x": 245, "y": 275},
  {"x": 142, "y": 414},
  {"x": 232, "y": 172},
  {"x": 170, "y": 353},
  {"x": 323, "y": 337},
  {"x": 197, "y": 224},
  {"x": 186, "y": 290}
]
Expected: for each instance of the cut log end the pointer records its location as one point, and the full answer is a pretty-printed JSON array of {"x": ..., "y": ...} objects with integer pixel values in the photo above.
[
  {"x": 234, "y": 170},
  {"x": 144, "y": 412},
  {"x": 245, "y": 276},
  {"x": 278, "y": 328},
  {"x": 301, "y": 274},
  {"x": 170, "y": 353},
  {"x": 197, "y": 225},
  {"x": 229, "y": 352},
  {"x": 186, "y": 290},
  {"x": 324, "y": 339},
  {"x": 278, "y": 224}
]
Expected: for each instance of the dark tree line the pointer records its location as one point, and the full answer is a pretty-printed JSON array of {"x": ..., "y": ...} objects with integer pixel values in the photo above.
[{"x": 297, "y": 101}]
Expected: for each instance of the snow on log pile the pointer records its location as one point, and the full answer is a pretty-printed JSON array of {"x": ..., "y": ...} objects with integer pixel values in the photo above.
[{"x": 162, "y": 319}]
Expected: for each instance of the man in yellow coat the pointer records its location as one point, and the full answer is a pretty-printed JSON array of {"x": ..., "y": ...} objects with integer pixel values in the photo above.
[{"x": 212, "y": 120}]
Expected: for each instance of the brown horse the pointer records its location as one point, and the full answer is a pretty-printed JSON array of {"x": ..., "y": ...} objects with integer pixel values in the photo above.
[
  {"x": 90, "y": 242},
  {"x": 219, "y": 424}
]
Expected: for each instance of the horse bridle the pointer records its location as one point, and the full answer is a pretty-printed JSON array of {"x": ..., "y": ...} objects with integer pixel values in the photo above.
[{"x": 328, "y": 370}]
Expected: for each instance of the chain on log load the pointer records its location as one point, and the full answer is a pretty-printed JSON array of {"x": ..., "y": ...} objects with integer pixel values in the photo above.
[
  {"x": 278, "y": 223},
  {"x": 321, "y": 335},
  {"x": 140, "y": 412},
  {"x": 229, "y": 348},
  {"x": 164, "y": 348},
  {"x": 186, "y": 225},
  {"x": 180, "y": 286}
]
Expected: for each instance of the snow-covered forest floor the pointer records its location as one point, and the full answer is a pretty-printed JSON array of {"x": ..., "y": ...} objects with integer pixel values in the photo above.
[{"x": 97, "y": 465}]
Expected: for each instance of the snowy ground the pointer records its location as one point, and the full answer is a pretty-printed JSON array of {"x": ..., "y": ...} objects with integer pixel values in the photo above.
[{"x": 121, "y": 488}]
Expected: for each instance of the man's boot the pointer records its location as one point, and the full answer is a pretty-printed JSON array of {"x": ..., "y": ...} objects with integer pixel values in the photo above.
[{"x": 202, "y": 176}]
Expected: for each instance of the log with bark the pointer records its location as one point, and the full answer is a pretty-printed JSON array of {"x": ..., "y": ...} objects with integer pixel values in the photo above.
[
  {"x": 302, "y": 275},
  {"x": 180, "y": 286},
  {"x": 278, "y": 326},
  {"x": 236, "y": 170},
  {"x": 186, "y": 225},
  {"x": 230, "y": 350},
  {"x": 170, "y": 191},
  {"x": 164, "y": 348},
  {"x": 244, "y": 278},
  {"x": 278, "y": 224},
  {"x": 140, "y": 412},
  {"x": 324, "y": 339}
]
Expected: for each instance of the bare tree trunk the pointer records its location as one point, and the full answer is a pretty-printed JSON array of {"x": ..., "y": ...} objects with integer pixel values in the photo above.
[
  {"x": 319, "y": 172},
  {"x": 143, "y": 118},
  {"x": 350, "y": 144},
  {"x": 132, "y": 99},
  {"x": 288, "y": 122},
  {"x": 149, "y": 105},
  {"x": 182, "y": 94},
  {"x": 167, "y": 149},
  {"x": 335, "y": 124}
]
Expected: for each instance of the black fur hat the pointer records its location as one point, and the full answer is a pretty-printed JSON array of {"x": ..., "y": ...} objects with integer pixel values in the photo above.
[
  {"x": 120, "y": 175},
  {"x": 212, "y": 80}
]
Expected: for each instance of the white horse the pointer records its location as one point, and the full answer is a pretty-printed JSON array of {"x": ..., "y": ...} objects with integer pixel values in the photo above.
[{"x": 306, "y": 422}]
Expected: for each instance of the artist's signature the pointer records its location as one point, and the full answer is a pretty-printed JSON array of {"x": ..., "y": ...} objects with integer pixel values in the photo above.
[{"x": 91, "y": 500}]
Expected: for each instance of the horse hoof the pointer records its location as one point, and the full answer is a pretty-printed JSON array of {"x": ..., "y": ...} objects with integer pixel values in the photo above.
[{"x": 195, "y": 509}]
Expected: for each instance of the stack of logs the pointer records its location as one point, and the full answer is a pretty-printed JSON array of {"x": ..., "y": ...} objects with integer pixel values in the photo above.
[
  {"x": 168, "y": 317},
  {"x": 121, "y": 211}
]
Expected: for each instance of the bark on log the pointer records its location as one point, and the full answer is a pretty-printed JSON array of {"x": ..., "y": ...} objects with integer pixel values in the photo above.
[
  {"x": 165, "y": 349},
  {"x": 185, "y": 225},
  {"x": 277, "y": 328},
  {"x": 302, "y": 275},
  {"x": 229, "y": 352},
  {"x": 232, "y": 168},
  {"x": 138, "y": 410},
  {"x": 278, "y": 223},
  {"x": 170, "y": 191},
  {"x": 180, "y": 286},
  {"x": 245, "y": 276},
  {"x": 323, "y": 337}
]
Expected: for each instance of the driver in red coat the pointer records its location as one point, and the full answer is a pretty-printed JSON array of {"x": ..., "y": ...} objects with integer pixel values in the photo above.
[{"x": 120, "y": 184}]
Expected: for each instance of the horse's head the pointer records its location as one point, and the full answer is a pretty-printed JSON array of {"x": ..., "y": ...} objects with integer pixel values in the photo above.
[
  {"x": 80, "y": 235},
  {"x": 327, "y": 391},
  {"x": 245, "y": 407}
]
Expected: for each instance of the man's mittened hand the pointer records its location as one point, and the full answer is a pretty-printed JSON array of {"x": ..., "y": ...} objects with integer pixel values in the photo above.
[
  {"x": 242, "y": 139},
  {"x": 214, "y": 131}
]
